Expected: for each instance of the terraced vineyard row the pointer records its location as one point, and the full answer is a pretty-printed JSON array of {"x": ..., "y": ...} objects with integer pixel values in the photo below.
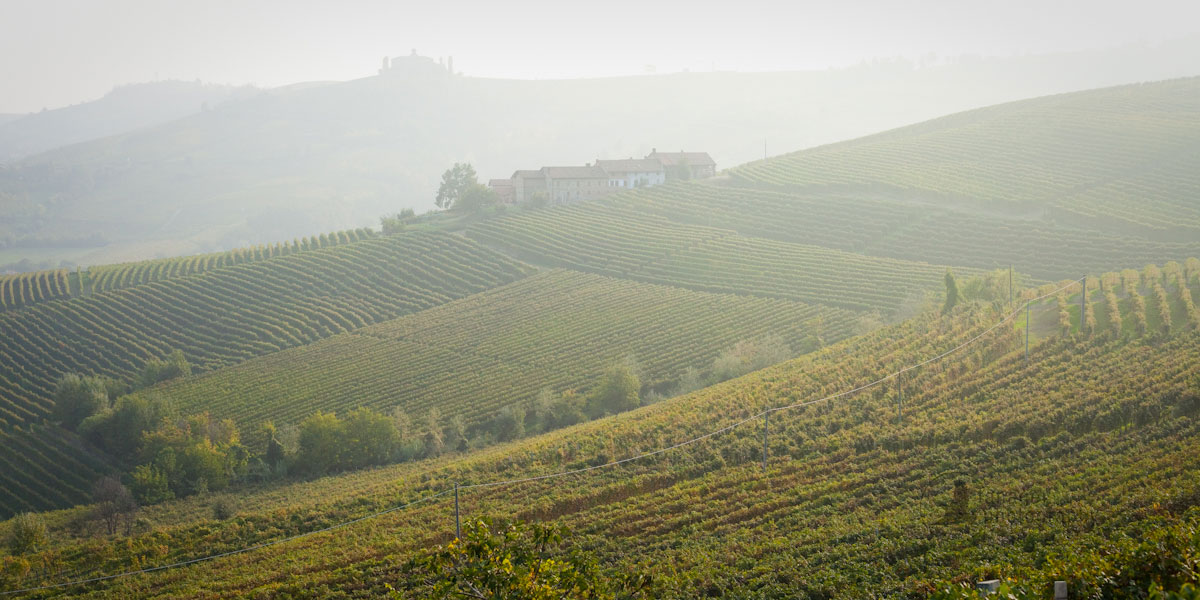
[
  {"x": 474, "y": 356},
  {"x": 46, "y": 468},
  {"x": 624, "y": 242},
  {"x": 1124, "y": 158},
  {"x": 858, "y": 223},
  {"x": 1057, "y": 453},
  {"x": 30, "y": 288},
  {"x": 105, "y": 278},
  {"x": 227, "y": 315},
  {"x": 24, "y": 289}
]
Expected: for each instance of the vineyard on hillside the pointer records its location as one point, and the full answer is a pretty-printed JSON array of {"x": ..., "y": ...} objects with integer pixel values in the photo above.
[
  {"x": 44, "y": 467},
  {"x": 625, "y": 242},
  {"x": 23, "y": 289},
  {"x": 469, "y": 358},
  {"x": 105, "y": 278},
  {"x": 1124, "y": 158},
  {"x": 31, "y": 288},
  {"x": 1091, "y": 436},
  {"x": 227, "y": 315},
  {"x": 874, "y": 226}
]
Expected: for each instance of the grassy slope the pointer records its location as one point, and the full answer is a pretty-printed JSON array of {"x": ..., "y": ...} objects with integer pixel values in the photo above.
[
  {"x": 616, "y": 238},
  {"x": 1085, "y": 439},
  {"x": 1123, "y": 159},
  {"x": 227, "y": 315},
  {"x": 470, "y": 357},
  {"x": 877, "y": 225}
]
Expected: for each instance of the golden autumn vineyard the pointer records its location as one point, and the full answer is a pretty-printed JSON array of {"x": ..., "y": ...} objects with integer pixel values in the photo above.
[
  {"x": 554, "y": 331},
  {"x": 849, "y": 470},
  {"x": 864, "y": 370}
]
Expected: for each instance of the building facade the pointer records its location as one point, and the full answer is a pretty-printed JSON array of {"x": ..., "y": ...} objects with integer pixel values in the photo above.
[
  {"x": 561, "y": 185},
  {"x": 633, "y": 172},
  {"x": 575, "y": 184},
  {"x": 685, "y": 165}
]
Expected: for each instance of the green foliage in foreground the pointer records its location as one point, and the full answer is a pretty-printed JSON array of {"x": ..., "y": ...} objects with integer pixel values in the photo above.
[
  {"x": 1085, "y": 442},
  {"x": 27, "y": 534},
  {"x": 1160, "y": 560},
  {"x": 517, "y": 561}
]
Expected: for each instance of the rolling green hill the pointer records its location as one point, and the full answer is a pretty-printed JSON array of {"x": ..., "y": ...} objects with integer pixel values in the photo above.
[
  {"x": 1123, "y": 159},
  {"x": 994, "y": 460},
  {"x": 25, "y": 289},
  {"x": 227, "y": 315},
  {"x": 469, "y": 358},
  {"x": 876, "y": 225},
  {"x": 620, "y": 240},
  {"x": 1088, "y": 438}
]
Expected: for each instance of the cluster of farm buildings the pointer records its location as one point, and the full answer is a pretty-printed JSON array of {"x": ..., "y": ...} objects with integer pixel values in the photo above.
[{"x": 561, "y": 185}]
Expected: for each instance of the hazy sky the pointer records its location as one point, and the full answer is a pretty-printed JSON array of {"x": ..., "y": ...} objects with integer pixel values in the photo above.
[{"x": 59, "y": 52}]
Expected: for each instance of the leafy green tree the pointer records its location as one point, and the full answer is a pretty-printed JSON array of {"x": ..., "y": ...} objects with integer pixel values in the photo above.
[
  {"x": 516, "y": 561},
  {"x": 151, "y": 484},
  {"x": 433, "y": 444},
  {"x": 455, "y": 434},
  {"x": 951, "y": 292},
  {"x": 509, "y": 424},
  {"x": 77, "y": 398},
  {"x": 371, "y": 438},
  {"x": 120, "y": 430},
  {"x": 617, "y": 392},
  {"x": 455, "y": 182},
  {"x": 27, "y": 534},
  {"x": 321, "y": 437},
  {"x": 203, "y": 468},
  {"x": 475, "y": 198},
  {"x": 156, "y": 371},
  {"x": 391, "y": 224}
]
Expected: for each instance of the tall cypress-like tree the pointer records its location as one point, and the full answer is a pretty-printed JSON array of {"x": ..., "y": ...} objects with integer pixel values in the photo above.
[{"x": 951, "y": 292}]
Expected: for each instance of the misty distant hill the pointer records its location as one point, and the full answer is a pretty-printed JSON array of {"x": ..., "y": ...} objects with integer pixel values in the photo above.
[
  {"x": 124, "y": 109},
  {"x": 308, "y": 158}
]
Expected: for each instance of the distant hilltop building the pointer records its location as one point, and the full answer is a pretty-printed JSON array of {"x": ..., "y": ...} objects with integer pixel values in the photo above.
[
  {"x": 415, "y": 65},
  {"x": 562, "y": 185}
]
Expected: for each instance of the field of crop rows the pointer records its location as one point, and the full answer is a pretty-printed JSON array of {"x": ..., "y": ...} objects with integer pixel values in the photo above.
[
  {"x": 45, "y": 468},
  {"x": 474, "y": 356},
  {"x": 105, "y": 278},
  {"x": 625, "y": 242},
  {"x": 1123, "y": 157},
  {"x": 31, "y": 288},
  {"x": 230, "y": 314},
  {"x": 24, "y": 289},
  {"x": 1055, "y": 452},
  {"x": 868, "y": 225}
]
